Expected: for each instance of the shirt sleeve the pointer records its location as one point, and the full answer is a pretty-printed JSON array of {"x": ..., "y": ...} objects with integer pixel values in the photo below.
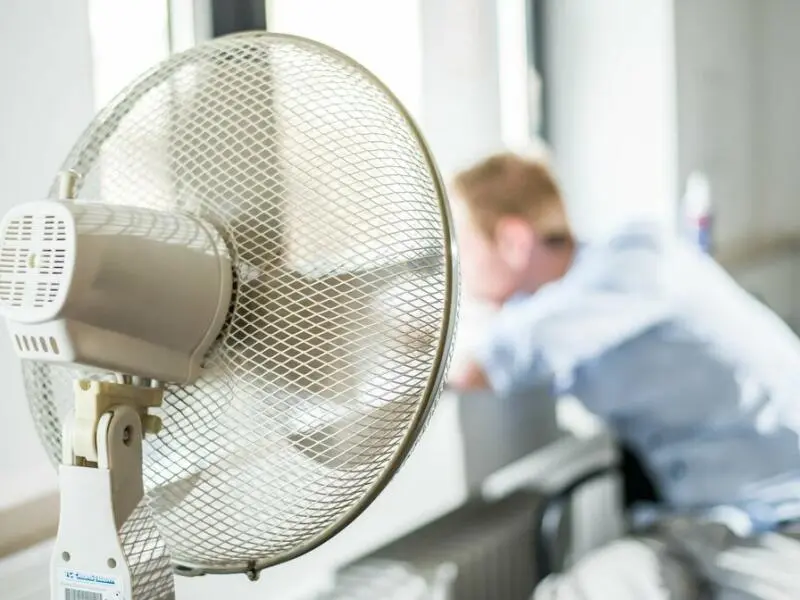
[{"x": 613, "y": 296}]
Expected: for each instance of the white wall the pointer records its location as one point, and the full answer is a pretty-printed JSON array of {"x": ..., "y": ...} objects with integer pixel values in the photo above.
[
  {"x": 777, "y": 199},
  {"x": 738, "y": 93},
  {"x": 718, "y": 89},
  {"x": 611, "y": 82},
  {"x": 780, "y": 127},
  {"x": 46, "y": 100},
  {"x": 738, "y": 96},
  {"x": 642, "y": 93}
]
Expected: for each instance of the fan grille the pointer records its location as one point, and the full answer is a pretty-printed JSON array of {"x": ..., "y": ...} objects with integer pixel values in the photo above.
[{"x": 336, "y": 343}]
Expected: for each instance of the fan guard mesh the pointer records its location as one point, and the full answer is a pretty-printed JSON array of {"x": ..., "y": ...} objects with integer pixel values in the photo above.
[{"x": 338, "y": 336}]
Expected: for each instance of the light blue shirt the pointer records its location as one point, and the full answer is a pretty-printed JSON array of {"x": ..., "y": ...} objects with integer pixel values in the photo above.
[{"x": 687, "y": 368}]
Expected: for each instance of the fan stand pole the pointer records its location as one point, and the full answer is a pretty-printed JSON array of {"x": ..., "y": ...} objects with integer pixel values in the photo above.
[{"x": 101, "y": 484}]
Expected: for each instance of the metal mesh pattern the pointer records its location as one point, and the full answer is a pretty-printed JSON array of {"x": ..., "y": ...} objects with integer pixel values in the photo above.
[
  {"x": 151, "y": 572},
  {"x": 339, "y": 331}
]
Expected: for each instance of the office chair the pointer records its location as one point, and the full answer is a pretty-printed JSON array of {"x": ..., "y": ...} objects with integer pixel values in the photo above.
[{"x": 638, "y": 486}]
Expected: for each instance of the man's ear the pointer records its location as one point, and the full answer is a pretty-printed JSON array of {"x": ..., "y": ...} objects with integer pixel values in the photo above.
[{"x": 515, "y": 239}]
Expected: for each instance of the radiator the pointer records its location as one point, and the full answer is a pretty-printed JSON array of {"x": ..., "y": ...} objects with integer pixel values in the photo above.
[{"x": 481, "y": 551}]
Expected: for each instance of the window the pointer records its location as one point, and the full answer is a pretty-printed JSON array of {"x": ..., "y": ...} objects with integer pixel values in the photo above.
[
  {"x": 231, "y": 16},
  {"x": 127, "y": 39},
  {"x": 383, "y": 36},
  {"x": 536, "y": 20},
  {"x": 520, "y": 45}
]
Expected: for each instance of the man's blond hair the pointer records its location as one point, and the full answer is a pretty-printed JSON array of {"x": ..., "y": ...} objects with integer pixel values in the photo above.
[{"x": 507, "y": 184}]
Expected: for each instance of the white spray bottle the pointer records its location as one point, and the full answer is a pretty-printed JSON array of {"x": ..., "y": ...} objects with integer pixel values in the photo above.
[{"x": 698, "y": 212}]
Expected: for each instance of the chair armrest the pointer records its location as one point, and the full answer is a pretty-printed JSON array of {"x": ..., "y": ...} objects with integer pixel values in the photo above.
[
  {"x": 556, "y": 466},
  {"x": 557, "y": 472},
  {"x": 551, "y": 515}
]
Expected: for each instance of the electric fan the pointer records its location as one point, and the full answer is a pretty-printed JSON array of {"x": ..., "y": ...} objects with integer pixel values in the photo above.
[{"x": 248, "y": 258}]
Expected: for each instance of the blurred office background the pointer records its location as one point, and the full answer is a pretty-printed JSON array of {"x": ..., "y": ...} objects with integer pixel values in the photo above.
[{"x": 626, "y": 98}]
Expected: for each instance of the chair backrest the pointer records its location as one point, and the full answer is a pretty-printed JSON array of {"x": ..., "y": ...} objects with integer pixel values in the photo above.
[{"x": 638, "y": 485}]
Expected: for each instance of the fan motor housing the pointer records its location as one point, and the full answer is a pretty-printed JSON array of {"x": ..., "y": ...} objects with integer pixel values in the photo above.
[{"x": 118, "y": 288}]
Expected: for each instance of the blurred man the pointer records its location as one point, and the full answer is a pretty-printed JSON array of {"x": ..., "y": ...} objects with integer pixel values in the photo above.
[{"x": 696, "y": 377}]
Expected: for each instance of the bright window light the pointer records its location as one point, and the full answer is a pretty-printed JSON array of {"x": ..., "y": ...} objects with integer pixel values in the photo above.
[
  {"x": 128, "y": 37},
  {"x": 383, "y": 35}
]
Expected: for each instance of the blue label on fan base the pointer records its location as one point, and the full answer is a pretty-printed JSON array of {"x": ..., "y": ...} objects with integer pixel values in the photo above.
[
  {"x": 92, "y": 578},
  {"x": 85, "y": 585}
]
